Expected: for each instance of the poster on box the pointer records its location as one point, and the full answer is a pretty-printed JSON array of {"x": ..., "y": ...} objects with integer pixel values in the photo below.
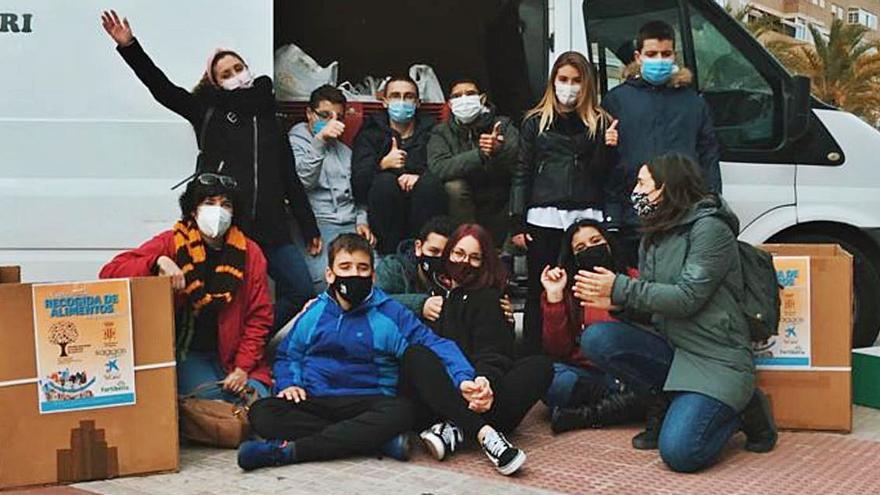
[
  {"x": 791, "y": 347},
  {"x": 85, "y": 351}
]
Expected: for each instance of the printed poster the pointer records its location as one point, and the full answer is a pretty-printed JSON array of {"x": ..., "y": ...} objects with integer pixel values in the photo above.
[
  {"x": 85, "y": 352},
  {"x": 791, "y": 347}
]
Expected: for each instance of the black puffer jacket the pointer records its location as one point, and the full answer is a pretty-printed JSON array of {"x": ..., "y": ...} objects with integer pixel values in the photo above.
[
  {"x": 373, "y": 142},
  {"x": 558, "y": 169},
  {"x": 244, "y": 135},
  {"x": 472, "y": 318}
]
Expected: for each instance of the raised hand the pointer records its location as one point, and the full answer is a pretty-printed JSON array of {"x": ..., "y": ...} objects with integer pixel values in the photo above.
[
  {"x": 554, "y": 281},
  {"x": 332, "y": 130},
  {"x": 396, "y": 158},
  {"x": 490, "y": 144},
  {"x": 118, "y": 29},
  {"x": 611, "y": 134}
]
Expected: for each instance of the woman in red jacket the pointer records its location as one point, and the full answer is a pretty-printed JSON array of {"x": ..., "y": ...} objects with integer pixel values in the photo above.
[
  {"x": 581, "y": 395},
  {"x": 223, "y": 311}
]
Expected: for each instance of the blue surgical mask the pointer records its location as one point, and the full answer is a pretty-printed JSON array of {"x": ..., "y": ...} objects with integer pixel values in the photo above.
[
  {"x": 657, "y": 71},
  {"x": 319, "y": 125},
  {"x": 401, "y": 112}
]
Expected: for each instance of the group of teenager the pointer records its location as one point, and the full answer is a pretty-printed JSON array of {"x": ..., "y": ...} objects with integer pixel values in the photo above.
[{"x": 394, "y": 294}]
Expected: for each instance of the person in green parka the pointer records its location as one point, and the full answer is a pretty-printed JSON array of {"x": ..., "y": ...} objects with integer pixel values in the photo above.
[{"x": 682, "y": 336}]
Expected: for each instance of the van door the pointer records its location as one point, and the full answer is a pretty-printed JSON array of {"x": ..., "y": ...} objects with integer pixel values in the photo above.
[{"x": 742, "y": 84}]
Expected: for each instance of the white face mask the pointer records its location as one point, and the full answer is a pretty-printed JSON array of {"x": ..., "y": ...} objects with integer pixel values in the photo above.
[
  {"x": 466, "y": 108},
  {"x": 213, "y": 220},
  {"x": 243, "y": 79},
  {"x": 567, "y": 94}
]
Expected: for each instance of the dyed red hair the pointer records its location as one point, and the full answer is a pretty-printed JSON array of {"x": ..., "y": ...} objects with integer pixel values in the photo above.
[{"x": 492, "y": 272}]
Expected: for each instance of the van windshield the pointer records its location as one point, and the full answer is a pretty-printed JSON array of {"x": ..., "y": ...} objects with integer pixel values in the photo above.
[{"x": 500, "y": 43}]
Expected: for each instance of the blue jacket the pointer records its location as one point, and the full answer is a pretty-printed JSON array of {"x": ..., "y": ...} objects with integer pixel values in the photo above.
[
  {"x": 655, "y": 120},
  {"x": 331, "y": 352}
]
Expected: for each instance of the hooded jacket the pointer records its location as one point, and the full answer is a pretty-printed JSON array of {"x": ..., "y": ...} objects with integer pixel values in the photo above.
[
  {"x": 654, "y": 120},
  {"x": 373, "y": 142},
  {"x": 454, "y": 153},
  {"x": 243, "y": 139},
  {"x": 243, "y": 325},
  {"x": 691, "y": 282},
  {"x": 398, "y": 275},
  {"x": 325, "y": 171},
  {"x": 331, "y": 352}
]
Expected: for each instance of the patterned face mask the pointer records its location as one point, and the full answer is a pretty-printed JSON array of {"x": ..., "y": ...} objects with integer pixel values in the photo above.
[{"x": 643, "y": 205}]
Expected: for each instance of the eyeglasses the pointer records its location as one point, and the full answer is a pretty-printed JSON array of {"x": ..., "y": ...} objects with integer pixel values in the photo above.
[
  {"x": 459, "y": 255},
  {"x": 325, "y": 114},
  {"x": 210, "y": 179}
]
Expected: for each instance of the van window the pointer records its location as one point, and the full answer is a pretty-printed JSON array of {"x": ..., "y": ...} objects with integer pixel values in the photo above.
[
  {"x": 746, "y": 107},
  {"x": 503, "y": 44}
]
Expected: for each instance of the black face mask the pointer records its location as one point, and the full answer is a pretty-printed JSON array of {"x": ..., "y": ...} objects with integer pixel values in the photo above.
[
  {"x": 593, "y": 256},
  {"x": 353, "y": 289},
  {"x": 462, "y": 272},
  {"x": 430, "y": 265}
]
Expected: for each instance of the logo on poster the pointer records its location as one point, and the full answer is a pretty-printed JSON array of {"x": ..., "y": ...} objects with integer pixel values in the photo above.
[{"x": 62, "y": 334}]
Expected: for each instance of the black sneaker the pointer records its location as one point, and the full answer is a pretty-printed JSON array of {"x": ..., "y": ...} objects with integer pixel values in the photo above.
[
  {"x": 758, "y": 424},
  {"x": 442, "y": 439},
  {"x": 648, "y": 439},
  {"x": 615, "y": 408},
  {"x": 506, "y": 458}
]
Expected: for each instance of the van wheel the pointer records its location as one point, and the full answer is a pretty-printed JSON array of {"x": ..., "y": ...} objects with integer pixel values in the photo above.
[{"x": 866, "y": 281}]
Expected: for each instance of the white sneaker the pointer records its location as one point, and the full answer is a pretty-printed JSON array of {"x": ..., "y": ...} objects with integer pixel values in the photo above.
[
  {"x": 442, "y": 439},
  {"x": 506, "y": 458}
]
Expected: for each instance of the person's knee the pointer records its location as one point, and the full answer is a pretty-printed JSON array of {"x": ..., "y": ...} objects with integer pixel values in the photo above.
[
  {"x": 261, "y": 411},
  {"x": 598, "y": 341},
  {"x": 457, "y": 190},
  {"x": 400, "y": 412},
  {"x": 414, "y": 355},
  {"x": 680, "y": 453}
]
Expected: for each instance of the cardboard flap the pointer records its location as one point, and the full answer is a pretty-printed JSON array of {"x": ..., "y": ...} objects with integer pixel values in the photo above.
[{"x": 10, "y": 274}]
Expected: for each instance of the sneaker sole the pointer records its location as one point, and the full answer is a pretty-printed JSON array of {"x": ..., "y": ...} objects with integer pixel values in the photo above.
[
  {"x": 514, "y": 465},
  {"x": 434, "y": 446}
]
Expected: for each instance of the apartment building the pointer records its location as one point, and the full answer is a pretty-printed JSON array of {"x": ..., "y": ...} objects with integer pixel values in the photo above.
[{"x": 796, "y": 15}]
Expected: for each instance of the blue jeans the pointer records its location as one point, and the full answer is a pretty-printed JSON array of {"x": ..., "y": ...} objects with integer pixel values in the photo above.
[
  {"x": 640, "y": 358},
  {"x": 204, "y": 367},
  {"x": 317, "y": 264},
  {"x": 566, "y": 376},
  {"x": 293, "y": 284},
  {"x": 695, "y": 430},
  {"x": 696, "y": 427}
]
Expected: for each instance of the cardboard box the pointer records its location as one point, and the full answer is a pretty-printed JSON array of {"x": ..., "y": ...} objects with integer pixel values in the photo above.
[
  {"x": 818, "y": 396},
  {"x": 91, "y": 444},
  {"x": 866, "y": 376}
]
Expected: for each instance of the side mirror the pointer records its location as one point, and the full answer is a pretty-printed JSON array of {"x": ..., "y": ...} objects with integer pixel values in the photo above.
[{"x": 798, "y": 107}]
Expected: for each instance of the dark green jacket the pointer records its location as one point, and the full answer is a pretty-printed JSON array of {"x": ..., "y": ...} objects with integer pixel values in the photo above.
[
  {"x": 690, "y": 281},
  {"x": 454, "y": 153},
  {"x": 398, "y": 275}
]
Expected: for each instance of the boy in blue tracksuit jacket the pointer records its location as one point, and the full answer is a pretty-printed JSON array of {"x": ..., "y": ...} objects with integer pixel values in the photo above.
[{"x": 336, "y": 372}]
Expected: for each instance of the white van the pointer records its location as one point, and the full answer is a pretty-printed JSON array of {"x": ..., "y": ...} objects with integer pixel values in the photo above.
[{"x": 87, "y": 156}]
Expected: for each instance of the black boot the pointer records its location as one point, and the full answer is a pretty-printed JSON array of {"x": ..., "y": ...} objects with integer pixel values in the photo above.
[
  {"x": 758, "y": 424},
  {"x": 614, "y": 408},
  {"x": 648, "y": 439}
]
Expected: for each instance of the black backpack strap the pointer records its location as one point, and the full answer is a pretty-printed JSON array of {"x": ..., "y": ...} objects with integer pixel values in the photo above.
[{"x": 204, "y": 129}]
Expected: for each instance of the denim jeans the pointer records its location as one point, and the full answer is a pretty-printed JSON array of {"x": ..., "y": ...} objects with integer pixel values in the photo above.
[
  {"x": 696, "y": 429},
  {"x": 293, "y": 284},
  {"x": 696, "y": 426},
  {"x": 317, "y": 264},
  {"x": 204, "y": 367},
  {"x": 639, "y": 358},
  {"x": 566, "y": 376}
]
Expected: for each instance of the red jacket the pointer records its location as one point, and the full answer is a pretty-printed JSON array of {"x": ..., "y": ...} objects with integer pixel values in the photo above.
[
  {"x": 561, "y": 336},
  {"x": 244, "y": 324}
]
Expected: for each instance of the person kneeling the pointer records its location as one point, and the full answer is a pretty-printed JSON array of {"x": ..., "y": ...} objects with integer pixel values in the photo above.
[
  {"x": 505, "y": 389},
  {"x": 223, "y": 311},
  {"x": 336, "y": 371}
]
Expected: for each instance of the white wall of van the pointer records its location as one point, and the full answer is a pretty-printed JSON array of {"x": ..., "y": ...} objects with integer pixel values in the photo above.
[{"x": 87, "y": 156}]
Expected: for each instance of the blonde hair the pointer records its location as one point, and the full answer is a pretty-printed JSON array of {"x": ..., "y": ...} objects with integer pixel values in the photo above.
[{"x": 587, "y": 106}]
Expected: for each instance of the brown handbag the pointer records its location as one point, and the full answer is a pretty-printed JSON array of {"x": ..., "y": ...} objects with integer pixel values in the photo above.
[{"x": 215, "y": 422}]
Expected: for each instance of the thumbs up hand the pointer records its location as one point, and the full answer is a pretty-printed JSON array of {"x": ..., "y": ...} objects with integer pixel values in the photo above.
[
  {"x": 395, "y": 159},
  {"x": 611, "y": 134},
  {"x": 490, "y": 144}
]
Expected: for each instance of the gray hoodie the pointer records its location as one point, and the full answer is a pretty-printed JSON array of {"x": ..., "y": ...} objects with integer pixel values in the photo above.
[{"x": 325, "y": 171}]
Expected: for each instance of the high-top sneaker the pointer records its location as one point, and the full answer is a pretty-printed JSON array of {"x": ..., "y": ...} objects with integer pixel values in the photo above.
[
  {"x": 506, "y": 458},
  {"x": 442, "y": 439}
]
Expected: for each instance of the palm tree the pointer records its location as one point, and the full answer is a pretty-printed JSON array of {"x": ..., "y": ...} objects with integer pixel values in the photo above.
[
  {"x": 757, "y": 25},
  {"x": 844, "y": 68}
]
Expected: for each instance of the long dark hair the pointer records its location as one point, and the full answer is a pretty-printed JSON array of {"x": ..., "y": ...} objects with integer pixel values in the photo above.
[
  {"x": 567, "y": 262},
  {"x": 683, "y": 187},
  {"x": 492, "y": 272}
]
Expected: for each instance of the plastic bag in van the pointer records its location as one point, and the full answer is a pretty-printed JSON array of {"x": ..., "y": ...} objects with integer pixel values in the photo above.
[
  {"x": 430, "y": 89},
  {"x": 297, "y": 74},
  {"x": 368, "y": 90}
]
